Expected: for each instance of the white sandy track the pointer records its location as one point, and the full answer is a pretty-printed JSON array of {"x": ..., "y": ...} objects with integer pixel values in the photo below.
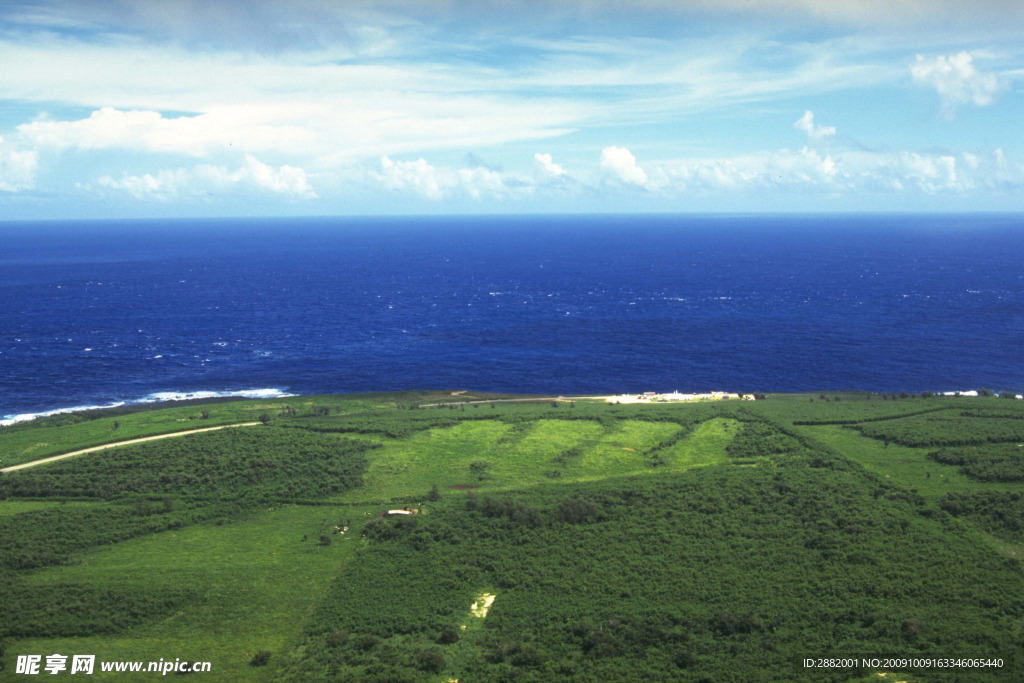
[{"x": 121, "y": 443}]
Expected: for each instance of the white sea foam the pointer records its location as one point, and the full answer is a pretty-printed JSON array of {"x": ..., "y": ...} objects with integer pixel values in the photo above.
[
  {"x": 25, "y": 417},
  {"x": 161, "y": 396},
  {"x": 156, "y": 397}
]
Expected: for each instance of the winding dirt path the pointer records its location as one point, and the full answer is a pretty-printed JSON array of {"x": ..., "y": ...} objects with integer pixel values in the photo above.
[{"x": 115, "y": 444}]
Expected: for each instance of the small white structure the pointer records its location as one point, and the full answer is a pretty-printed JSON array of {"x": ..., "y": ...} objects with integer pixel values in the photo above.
[{"x": 399, "y": 512}]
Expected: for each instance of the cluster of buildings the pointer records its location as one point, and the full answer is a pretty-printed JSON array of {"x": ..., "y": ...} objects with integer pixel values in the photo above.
[{"x": 676, "y": 396}]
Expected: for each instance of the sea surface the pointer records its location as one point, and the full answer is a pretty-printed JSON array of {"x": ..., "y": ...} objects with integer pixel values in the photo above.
[{"x": 98, "y": 313}]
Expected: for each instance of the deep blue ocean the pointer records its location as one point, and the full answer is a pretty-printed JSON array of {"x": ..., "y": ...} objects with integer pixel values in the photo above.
[{"x": 96, "y": 313}]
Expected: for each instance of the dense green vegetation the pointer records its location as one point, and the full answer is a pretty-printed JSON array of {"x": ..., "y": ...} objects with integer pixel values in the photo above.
[
  {"x": 946, "y": 428},
  {"x": 995, "y": 462},
  {"x": 1000, "y": 513},
  {"x": 718, "y": 574},
  {"x": 720, "y": 541},
  {"x": 244, "y": 465}
]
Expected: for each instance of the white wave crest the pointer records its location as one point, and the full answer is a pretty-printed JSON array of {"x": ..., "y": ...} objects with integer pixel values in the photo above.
[
  {"x": 162, "y": 396},
  {"x": 156, "y": 397},
  {"x": 25, "y": 417}
]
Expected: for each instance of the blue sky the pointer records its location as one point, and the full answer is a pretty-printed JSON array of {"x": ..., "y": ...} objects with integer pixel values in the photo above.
[{"x": 120, "y": 108}]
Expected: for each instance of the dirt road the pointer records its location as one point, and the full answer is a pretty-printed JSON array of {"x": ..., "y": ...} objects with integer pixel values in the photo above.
[{"x": 120, "y": 443}]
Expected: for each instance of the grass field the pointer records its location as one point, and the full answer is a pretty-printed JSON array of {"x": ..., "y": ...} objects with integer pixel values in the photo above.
[
  {"x": 14, "y": 507},
  {"x": 493, "y": 455},
  {"x": 256, "y": 577},
  {"x": 909, "y": 468}
]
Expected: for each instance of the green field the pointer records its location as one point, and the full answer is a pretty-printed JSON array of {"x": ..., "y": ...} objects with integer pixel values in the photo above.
[{"x": 723, "y": 541}]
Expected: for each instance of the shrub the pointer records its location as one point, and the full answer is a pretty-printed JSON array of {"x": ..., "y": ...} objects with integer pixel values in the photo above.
[
  {"x": 431, "y": 659},
  {"x": 684, "y": 659},
  {"x": 368, "y": 642},
  {"x": 449, "y": 635},
  {"x": 260, "y": 658}
]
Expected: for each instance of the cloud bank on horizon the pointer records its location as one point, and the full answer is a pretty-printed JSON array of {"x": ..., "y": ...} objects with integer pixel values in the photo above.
[{"x": 133, "y": 108}]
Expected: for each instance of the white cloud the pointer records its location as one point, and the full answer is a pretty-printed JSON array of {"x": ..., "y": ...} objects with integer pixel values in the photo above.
[
  {"x": 253, "y": 176},
  {"x": 240, "y": 128},
  {"x": 1006, "y": 174},
  {"x": 478, "y": 182},
  {"x": 930, "y": 173},
  {"x": 620, "y": 164},
  {"x": 850, "y": 173},
  {"x": 547, "y": 166},
  {"x": 418, "y": 176},
  {"x": 285, "y": 180},
  {"x": 956, "y": 80},
  {"x": 295, "y": 103},
  {"x": 436, "y": 184},
  {"x": 17, "y": 168},
  {"x": 815, "y": 132},
  {"x": 336, "y": 108},
  {"x": 806, "y": 169}
]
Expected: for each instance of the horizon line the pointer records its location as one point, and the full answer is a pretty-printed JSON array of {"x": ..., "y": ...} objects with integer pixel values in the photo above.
[{"x": 525, "y": 215}]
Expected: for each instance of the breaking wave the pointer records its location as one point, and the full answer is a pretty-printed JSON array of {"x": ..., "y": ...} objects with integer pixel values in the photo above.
[{"x": 156, "y": 397}]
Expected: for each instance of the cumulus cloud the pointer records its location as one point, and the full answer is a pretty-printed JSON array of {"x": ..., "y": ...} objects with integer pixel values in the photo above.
[
  {"x": 956, "y": 80},
  {"x": 804, "y": 169},
  {"x": 849, "y": 172},
  {"x": 17, "y": 168},
  {"x": 479, "y": 182},
  {"x": 253, "y": 176},
  {"x": 418, "y": 176},
  {"x": 930, "y": 173},
  {"x": 620, "y": 164},
  {"x": 815, "y": 132},
  {"x": 547, "y": 166},
  {"x": 436, "y": 184}
]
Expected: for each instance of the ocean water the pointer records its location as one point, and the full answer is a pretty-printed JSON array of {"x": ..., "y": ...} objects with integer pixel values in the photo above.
[{"x": 96, "y": 313}]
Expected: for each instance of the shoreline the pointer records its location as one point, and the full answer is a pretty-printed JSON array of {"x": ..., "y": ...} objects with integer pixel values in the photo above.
[
  {"x": 167, "y": 399},
  {"x": 154, "y": 400}
]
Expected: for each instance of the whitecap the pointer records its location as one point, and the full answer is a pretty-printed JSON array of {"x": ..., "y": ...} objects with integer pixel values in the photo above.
[
  {"x": 161, "y": 396},
  {"x": 156, "y": 397},
  {"x": 25, "y": 417}
]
